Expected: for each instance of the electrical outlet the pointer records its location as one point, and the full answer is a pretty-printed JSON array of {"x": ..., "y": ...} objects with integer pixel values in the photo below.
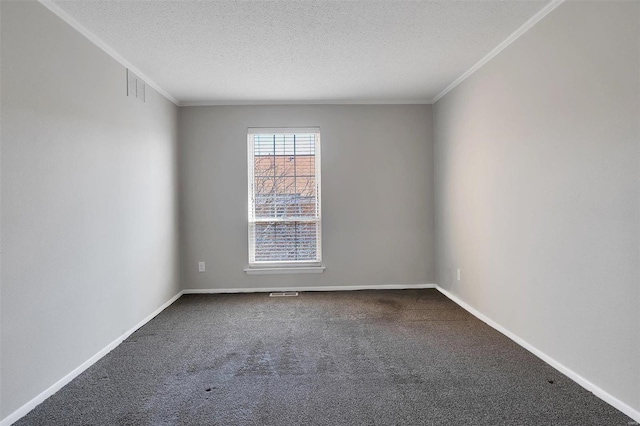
[
  {"x": 201, "y": 267},
  {"x": 458, "y": 274}
]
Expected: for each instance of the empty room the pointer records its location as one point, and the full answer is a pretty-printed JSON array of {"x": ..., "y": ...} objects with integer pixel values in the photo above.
[{"x": 319, "y": 212}]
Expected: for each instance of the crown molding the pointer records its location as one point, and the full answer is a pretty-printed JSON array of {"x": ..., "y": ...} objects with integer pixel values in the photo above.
[
  {"x": 499, "y": 48},
  {"x": 58, "y": 11},
  {"x": 309, "y": 102}
]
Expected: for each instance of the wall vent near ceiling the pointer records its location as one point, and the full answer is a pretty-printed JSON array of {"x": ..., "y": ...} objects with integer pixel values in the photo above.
[
  {"x": 136, "y": 87},
  {"x": 283, "y": 294}
]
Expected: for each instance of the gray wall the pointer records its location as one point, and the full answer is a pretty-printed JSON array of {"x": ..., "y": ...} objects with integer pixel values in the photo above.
[
  {"x": 377, "y": 207},
  {"x": 537, "y": 191},
  {"x": 89, "y": 216}
]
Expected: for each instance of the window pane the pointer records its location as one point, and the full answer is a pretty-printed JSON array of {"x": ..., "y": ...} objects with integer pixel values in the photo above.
[
  {"x": 285, "y": 242},
  {"x": 306, "y": 186},
  {"x": 284, "y": 165},
  {"x": 264, "y": 205},
  {"x": 263, "y": 165},
  {"x": 263, "y": 185},
  {"x": 305, "y": 165},
  {"x": 286, "y": 185}
]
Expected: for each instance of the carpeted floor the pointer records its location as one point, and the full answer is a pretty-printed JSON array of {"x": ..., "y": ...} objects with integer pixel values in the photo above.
[{"x": 408, "y": 357}]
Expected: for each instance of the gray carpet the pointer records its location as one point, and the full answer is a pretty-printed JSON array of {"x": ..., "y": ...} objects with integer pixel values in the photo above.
[{"x": 408, "y": 357}]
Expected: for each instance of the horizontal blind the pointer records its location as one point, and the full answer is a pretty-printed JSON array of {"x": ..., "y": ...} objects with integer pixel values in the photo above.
[{"x": 284, "y": 196}]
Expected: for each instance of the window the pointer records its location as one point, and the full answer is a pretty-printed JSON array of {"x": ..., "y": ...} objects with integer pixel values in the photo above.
[{"x": 284, "y": 197}]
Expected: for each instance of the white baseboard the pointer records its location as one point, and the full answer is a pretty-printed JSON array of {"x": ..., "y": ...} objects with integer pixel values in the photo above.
[
  {"x": 26, "y": 408},
  {"x": 302, "y": 289},
  {"x": 597, "y": 391}
]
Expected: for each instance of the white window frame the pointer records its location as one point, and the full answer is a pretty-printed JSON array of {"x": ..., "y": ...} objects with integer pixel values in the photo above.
[{"x": 271, "y": 267}]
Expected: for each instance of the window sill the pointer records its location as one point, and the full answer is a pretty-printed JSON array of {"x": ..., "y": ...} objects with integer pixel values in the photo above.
[{"x": 285, "y": 270}]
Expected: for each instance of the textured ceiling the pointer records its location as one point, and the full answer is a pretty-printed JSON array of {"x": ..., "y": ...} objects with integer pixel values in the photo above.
[{"x": 302, "y": 51}]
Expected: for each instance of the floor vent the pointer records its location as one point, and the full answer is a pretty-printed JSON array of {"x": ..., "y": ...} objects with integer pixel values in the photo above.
[{"x": 283, "y": 294}]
